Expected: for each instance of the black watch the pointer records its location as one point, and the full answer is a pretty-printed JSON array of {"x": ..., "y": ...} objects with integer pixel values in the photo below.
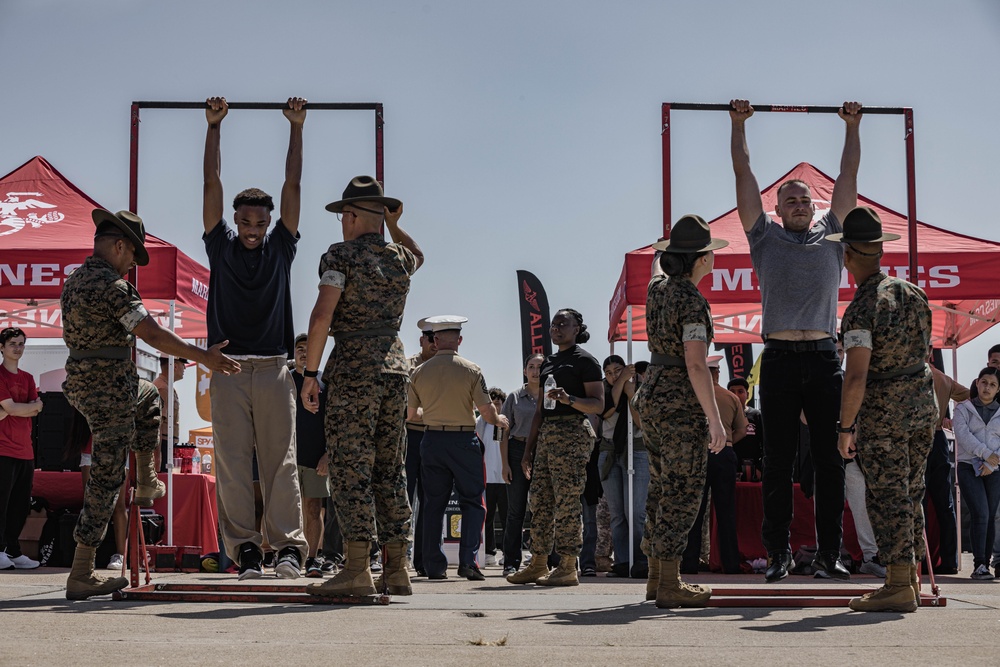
[
  {"x": 848, "y": 429},
  {"x": 571, "y": 400}
]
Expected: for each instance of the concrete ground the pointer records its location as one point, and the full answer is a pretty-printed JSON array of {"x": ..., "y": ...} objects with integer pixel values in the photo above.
[{"x": 601, "y": 622}]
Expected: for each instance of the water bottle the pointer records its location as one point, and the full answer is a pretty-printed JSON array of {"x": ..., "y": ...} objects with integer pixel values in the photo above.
[
  {"x": 206, "y": 464},
  {"x": 196, "y": 462},
  {"x": 549, "y": 403}
]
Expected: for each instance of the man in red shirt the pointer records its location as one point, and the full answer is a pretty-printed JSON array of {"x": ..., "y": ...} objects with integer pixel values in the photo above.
[{"x": 19, "y": 402}]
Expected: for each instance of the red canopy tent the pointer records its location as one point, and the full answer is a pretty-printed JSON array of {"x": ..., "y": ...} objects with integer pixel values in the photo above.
[
  {"x": 46, "y": 231},
  {"x": 958, "y": 273}
]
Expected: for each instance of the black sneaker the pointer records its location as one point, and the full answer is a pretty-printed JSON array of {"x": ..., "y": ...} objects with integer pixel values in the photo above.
[
  {"x": 250, "y": 561},
  {"x": 269, "y": 559},
  {"x": 828, "y": 566},
  {"x": 471, "y": 572},
  {"x": 287, "y": 566},
  {"x": 376, "y": 565},
  {"x": 510, "y": 569},
  {"x": 314, "y": 568}
]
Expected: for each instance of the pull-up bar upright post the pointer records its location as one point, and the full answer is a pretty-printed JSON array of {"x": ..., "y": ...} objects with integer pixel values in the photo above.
[{"x": 906, "y": 112}]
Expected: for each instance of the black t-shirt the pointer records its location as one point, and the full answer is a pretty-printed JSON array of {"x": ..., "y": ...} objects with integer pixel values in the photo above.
[
  {"x": 310, "y": 439},
  {"x": 571, "y": 369},
  {"x": 249, "y": 292},
  {"x": 752, "y": 445}
]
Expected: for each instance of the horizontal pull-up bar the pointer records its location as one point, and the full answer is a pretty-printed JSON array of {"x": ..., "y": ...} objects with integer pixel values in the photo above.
[
  {"x": 341, "y": 106},
  {"x": 793, "y": 108}
]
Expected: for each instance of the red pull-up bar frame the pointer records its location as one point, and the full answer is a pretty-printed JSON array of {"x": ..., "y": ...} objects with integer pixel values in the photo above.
[{"x": 906, "y": 112}]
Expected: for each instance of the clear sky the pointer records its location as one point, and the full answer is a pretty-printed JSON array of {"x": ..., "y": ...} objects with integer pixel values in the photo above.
[{"x": 519, "y": 135}]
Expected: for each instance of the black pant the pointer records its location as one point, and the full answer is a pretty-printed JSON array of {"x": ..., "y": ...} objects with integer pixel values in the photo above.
[
  {"x": 721, "y": 478},
  {"x": 517, "y": 504},
  {"x": 496, "y": 501},
  {"x": 939, "y": 479},
  {"x": 16, "y": 476},
  {"x": 333, "y": 540},
  {"x": 415, "y": 491},
  {"x": 790, "y": 383}
]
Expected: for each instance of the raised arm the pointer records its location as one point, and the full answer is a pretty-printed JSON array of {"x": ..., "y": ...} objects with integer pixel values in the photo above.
[
  {"x": 291, "y": 191},
  {"x": 845, "y": 190},
  {"x": 216, "y": 110},
  {"x": 400, "y": 236},
  {"x": 748, "y": 203}
]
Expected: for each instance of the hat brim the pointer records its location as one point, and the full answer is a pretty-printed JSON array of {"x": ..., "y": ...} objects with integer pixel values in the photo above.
[
  {"x": 840, "y": 238},
  {"x": 714, "y": 244},
  {"x": 101, "y": 216},
  {"x": 338, "y": 206}
]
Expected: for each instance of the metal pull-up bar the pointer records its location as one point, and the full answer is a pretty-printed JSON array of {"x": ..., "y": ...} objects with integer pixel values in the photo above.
[
  {"x": 133, "y": 187},
  {"x": 906, "y": 112}
]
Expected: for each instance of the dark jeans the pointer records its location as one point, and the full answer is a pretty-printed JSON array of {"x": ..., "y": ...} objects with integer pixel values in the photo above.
[
  {"x": 16, "y": 476},
  {"x": 517, "y": 504},
  {"x": 982, "y": 496},
  {"x": 333, "y": 541},
  {"x": 451, "y": 459},
  {"x": 721, "y": 478},
  {"x": 939, "y": 480},
  {"x": 415, "y": 491},
  {"x": 790, "y": 383},
  {"x": 588, "y": 554},
  {"x": 496, "y": 501}
]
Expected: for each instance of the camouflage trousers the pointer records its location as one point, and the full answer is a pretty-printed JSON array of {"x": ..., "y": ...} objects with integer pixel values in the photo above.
[
  {"x": 895, "y": 436},
  {"x": 558, "y": 475},
  {"x": 366, "y": 441},
  {"x": 676, "y": 434},
  {"x": 123, "y": 412},
  {"x": 603, "y": 528}
]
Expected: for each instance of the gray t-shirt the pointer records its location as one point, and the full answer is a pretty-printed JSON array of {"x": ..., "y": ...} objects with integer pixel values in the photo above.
[
  {"x": 799, "y": 274},
  {"x": 519, "y": 408}
]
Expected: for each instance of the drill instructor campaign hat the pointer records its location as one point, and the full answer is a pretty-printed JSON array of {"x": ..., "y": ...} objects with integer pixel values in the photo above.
[
  {"x": 131, "y": 228},
  {"x": 690, "y": 234},
  {"x": 862, "y": 225},
  {"x": 362, "y": 189}
]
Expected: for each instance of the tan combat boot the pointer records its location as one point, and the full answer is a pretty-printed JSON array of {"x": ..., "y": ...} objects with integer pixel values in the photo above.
[
  {"x": 354, "y": 580},
  {"x": 83, "y": 582},
  {"x": 563, "y": 575},
  {"x": 531, "y": 574},
  {"x": 672, "y": 592},
  {"x": 148, "y": 484},
  {"x": 895, "y": 595},
  {"x": 394, "y": 573},
  {"x": 653, "y": 579}
]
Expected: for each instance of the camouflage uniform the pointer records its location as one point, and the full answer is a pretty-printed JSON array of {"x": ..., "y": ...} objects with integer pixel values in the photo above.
[
  {"x": 100, "y": 309},
  {"x": 897, "y": 419},
  {"x": 366, "y": 378},
  {"x": 558, "y": 475},
  {"x": 673, "y": 423}
]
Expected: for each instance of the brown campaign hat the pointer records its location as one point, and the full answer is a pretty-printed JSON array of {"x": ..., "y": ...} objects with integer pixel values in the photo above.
[
  {"x": 690, "y": 234},
  {"x": 862, "y": 225},
  {"x": 362, "y": 189},
  {"x": 130, "y": 225}
]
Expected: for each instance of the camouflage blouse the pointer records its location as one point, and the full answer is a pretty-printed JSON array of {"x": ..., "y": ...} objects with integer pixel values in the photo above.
[
  {"x": 99, "y": 307},
  {"x": 676, "y": 312},
  {"x": 374, "y": 279},
  {"x": 891, "y": 317}
]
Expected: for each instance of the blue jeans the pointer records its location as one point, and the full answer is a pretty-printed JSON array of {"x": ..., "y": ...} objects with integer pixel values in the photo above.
[
  {"x": 517, "y": 504},
  {"x": 982, "y": 496},
  {"x": 616, "y": 491},
  {"x": 415, "y": 493}
]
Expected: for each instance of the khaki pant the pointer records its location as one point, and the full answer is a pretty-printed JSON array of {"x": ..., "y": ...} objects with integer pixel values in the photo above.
[{"x": 255, "y": 409}]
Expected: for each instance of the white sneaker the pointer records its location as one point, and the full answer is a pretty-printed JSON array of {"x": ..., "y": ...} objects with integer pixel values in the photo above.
[
  {"x": 491, "y": 559},
  {"x": 982, "y": 572},
  {"x": 22, "y": 562},
  {"x": 5, "y": 562},
  {"x": 116, "y": 562},
  {"x": 872, "y": 568}
]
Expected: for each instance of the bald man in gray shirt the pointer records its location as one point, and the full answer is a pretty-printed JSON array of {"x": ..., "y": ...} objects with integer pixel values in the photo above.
[{"x": 799, "y": 277}]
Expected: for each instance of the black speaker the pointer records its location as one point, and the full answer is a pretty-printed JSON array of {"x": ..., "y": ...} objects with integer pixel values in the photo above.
[{"x": 51, "y": 431}]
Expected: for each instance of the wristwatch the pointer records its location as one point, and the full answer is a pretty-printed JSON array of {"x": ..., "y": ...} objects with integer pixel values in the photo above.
[
  {"x": 848, "y": 429},
  {"x": 572, "y": 400}
]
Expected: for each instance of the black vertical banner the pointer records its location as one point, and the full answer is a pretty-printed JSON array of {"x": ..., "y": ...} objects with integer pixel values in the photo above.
[
  {"x": 535, "y": 321},
  {"x": 739, "y": 357}
]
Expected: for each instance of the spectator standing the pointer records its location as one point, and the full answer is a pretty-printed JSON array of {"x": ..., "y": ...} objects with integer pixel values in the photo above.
[
  {"x": 414, "y": 434},
  {"x": 940, "y": 475},
  {"x": 496, "y": 488},
  {"x": 751, "y": 446},
  {"x": 161, "y": 382}
]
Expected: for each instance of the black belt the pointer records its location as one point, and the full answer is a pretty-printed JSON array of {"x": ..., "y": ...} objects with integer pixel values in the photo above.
[
  {"x": 115, "y": 352},
  {"x": 362, "y": 333},
  {"x": 517, "y": 440},
  {"x": 551, "y": 418},
  {"x": 657, "y": 359},
  {"x": 821, "y": 345},
  {"x": 460, "y": 429},
  {"x": 415, "y": 427},
  {"x": 899, "y": 372}
]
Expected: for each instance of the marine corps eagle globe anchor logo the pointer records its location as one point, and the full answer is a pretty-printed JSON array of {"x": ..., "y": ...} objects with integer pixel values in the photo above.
[{"x": 13, "y": 216}]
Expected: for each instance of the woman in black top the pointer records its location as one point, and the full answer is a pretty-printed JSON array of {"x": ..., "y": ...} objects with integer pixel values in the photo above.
[{"x": 557, "y": 451}]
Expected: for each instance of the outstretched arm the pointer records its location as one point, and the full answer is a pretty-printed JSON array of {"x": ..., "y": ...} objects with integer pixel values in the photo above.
[
  {"x": 748, "y": 203},
  {"x": 291, "y": 191},
  {"x": 845, "y": 190},
  {"x": 216, "y": 110},
  {"x": 168, "y": 342}
]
